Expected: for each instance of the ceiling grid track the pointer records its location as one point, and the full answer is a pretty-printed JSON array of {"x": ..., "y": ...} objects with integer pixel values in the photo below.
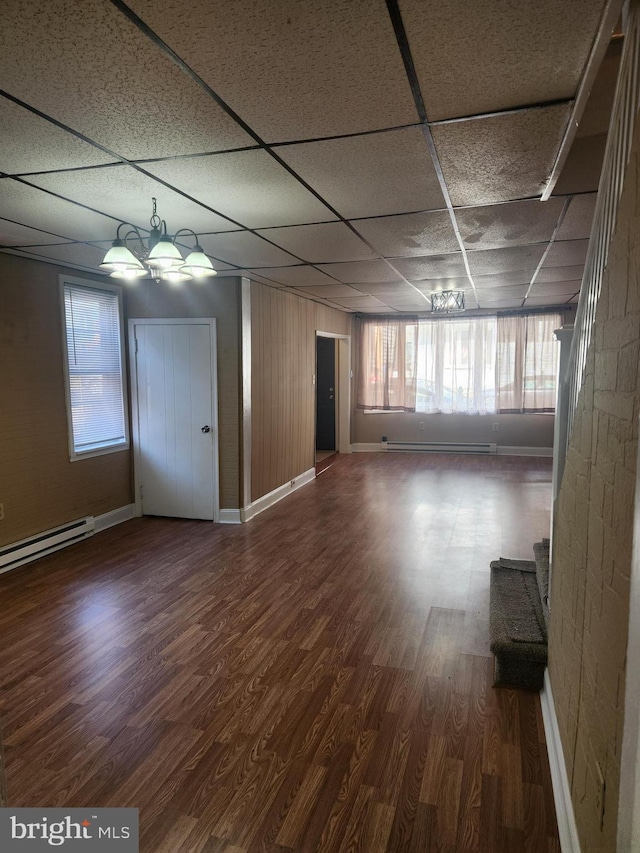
[
  {"x": 143, "y": 27},
  {"x": 563, "y": 213},
  {"x": 328, "y": 164},
  {"x": 405, "y": 52}
]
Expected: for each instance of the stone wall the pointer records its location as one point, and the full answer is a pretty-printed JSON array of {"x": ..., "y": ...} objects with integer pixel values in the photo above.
[{"x": 593, "y": 540}]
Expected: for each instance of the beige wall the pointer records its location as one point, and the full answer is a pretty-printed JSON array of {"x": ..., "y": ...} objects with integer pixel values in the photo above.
[
  {"x": 283, "y": 328},
  {"x": 39, "y": 486},
  {"x": 593, "y": 538},
  {"x": 513, "y": 430},
  {"x": 219, "y": 298}
]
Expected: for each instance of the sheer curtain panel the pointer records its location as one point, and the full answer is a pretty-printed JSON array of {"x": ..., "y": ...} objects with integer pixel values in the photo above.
[
  {"x": 527, "y": 363},
  {"x": 456, "y": 366},
  {"x": 463, "y": 365},
  {"x": 387, "y": 365}
]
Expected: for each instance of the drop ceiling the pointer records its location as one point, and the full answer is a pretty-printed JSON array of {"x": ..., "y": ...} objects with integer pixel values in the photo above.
[{"x": 359, "y": 153}]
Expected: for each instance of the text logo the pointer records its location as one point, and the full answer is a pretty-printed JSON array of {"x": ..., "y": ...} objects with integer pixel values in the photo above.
[{"x": 86, "y": 830}]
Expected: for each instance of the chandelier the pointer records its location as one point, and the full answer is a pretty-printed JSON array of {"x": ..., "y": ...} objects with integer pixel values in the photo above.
[
  {"x": 131, "y": 256},
  {"x": 447, "y": 300}
]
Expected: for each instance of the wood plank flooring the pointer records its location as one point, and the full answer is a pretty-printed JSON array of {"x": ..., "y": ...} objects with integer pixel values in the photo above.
[{"x": 318, "y": 679}]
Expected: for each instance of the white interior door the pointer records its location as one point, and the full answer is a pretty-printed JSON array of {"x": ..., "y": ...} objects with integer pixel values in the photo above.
[{"x": 176, "y": 424}]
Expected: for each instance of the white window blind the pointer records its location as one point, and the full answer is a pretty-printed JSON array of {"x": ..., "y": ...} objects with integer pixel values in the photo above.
[{"x": 94, "y": 361}]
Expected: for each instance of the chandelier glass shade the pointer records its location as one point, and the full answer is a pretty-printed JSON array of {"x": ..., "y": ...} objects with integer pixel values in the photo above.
[
  {"x": 132, "y": 256},
  {"x": 445, "y": 301}
]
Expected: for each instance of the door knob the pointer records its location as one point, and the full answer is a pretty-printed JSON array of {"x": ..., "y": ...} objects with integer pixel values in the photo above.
[
  {"x": 331, "y": 396},
  {"x": 205, "y": 428}
]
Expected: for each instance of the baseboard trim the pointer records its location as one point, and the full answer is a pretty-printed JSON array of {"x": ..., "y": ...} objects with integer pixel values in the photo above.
[
  {"x": 116, "y": 516},
  {"x": 503, "y": 449},
  {"x": 249, "y": 512},
  {"x": 230, "y": 516},
  {"x": 506, "y": 450},
  {"x": 567, "y": 830}
]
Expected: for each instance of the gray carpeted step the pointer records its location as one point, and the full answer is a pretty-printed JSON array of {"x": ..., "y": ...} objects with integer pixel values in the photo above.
[{"x": 518, "y": 621}]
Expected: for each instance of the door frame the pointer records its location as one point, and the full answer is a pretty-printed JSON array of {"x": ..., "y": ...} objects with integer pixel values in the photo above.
[
  {"x": 343, "y": 392},
  {"x": 135, "y": 415}
]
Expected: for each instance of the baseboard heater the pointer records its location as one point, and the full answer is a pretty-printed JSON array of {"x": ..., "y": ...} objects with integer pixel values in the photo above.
[
  {"x": 12, "y": 556},
  {"x": 441, "y": 446}
]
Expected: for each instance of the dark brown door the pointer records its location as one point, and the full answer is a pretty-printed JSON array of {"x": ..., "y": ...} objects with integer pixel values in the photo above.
[{"x": 325, "y": 394}]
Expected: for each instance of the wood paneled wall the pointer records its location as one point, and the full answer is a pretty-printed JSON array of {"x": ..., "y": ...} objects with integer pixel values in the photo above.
[
  {"x": 283, "y": 333},
  {"x": 39, "y": 487}
]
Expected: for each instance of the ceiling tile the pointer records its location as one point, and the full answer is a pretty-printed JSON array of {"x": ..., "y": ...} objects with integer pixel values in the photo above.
[
  {"x": 500, "y": 158},
  {"x": 496, "y": 226},
  {"x": 257, "y": 54},
  {"x": 295, "y": 276},
  {"x": 577, "y": 223},
  {"x": 76, "y": 253},
  {"x": 125, "y": 193},
  {"x": 250, "y": 274},
  {"x": 581, "y": 171},
  {"x": 418, "y": 304},
  {"x": 359, "y": 303},
  {"x": 409, "y": 234},
  {"x": 555, "y": 288},
  {"x": 491, "y": 261},
  {"x": 328, "y": 291},
  {"x": 330, "y": 241},
  {"x": 470, "y": 300},
  {"x": 514, "y": 291},
  {"x": 13, "y": 234},
  {"x": 437, "y": 284},
  {"x": 248, "y": 186},
  {"x": 361, "y": 271},
  {"x": 24, "y": 203},
  {"x": 597, "y": 112},
  {"x": 485, "y": 282},
  {"x": 497, "y": 304},
  {"x": 49, "y": 146},
  {"x": 545, "y": 300},
  {"x": 433, "y": 266},
  {"x": 27, "y": 253},
  {"x": 96, "y": 72},
  {"x": 245, "y": 250},
  {"x": 542, "y": 49},
  {"x": 567, "y": 253},
  {"x": 370, "y": 175},
  {"x": 388, "y": 290},
  {"x": 568, "y": 273}
]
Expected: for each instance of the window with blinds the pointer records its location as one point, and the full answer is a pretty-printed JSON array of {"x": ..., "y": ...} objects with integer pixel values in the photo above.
[{"x": 94, "y": 370}]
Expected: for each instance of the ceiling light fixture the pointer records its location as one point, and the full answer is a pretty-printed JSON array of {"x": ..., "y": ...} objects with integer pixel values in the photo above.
[
  {"x": 446, "y": 301},
  {"x": 131, "y": 256}
]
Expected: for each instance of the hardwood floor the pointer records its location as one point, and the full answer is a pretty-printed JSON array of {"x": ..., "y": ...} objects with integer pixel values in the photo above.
[{"x": 318, "y": 679}]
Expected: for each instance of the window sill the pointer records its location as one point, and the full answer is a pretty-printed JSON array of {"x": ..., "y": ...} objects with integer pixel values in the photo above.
[{"x": 77, "y": 456}]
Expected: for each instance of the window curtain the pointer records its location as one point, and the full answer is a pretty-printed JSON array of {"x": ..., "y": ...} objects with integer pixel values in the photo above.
[
  {"x": 527, "y": 363},
  {"x": 472, "y": 365},
  {"x": 456, "y": 366},
  {"x": 387, "y": 365}
]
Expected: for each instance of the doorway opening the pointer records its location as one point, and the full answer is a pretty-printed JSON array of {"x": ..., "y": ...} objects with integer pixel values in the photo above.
[{"x": 333, "y": 380}]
